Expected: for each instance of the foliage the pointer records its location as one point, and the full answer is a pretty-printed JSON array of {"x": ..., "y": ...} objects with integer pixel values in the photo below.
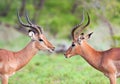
[
  {"x": 60, "y": 71},
  {"x": 47, "y": 68},
  {"x": 57, "y": 17}
]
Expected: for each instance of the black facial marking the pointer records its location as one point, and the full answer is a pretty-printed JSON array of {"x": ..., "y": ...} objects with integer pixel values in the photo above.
[
  {"x": 73, "y": 44},
  {"x": 32, "y": 30},
  {"x": 82, "y": 38},
  {"x": 40, "y": 40}
]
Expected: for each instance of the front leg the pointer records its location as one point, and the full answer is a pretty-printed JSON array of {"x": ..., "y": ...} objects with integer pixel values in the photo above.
[
  {"x": 112, "y": 78},
  {"x": 109, "y": 70},
  {"x": 4, "y": 79}
]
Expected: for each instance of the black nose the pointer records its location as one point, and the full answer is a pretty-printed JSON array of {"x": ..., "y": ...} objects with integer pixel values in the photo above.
[
  {"x": 53, "y": 48},
  {"x": 65, "y": 55}
]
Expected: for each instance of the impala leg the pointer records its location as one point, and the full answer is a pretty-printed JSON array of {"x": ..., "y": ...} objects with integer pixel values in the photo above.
[
  {"x": 4, "y": 79},
  {"x": 112, "y": 78}
]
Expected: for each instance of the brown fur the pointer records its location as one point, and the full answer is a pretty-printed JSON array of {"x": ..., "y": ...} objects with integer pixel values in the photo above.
[
  {"x": 107, "y": 61},
  {"x": 10, "y": 62}
]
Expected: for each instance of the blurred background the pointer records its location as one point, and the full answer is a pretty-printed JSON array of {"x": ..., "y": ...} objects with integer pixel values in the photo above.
[{"x": 58, "y": 17}]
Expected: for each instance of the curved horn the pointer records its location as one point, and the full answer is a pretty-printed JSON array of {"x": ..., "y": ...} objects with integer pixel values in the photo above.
[
  {"x": 82, "y": 27},
  {"x": 28, "y": 20},
  {"x": 20, "y": 21},
  {"x": 87, "y": 22},
  {"x": 40, "y": 29},
  {"x": 32, "y": 26},
  {"x": 77, "y": 26}
]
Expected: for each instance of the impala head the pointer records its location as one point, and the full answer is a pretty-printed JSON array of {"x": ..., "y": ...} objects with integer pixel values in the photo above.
[
  {"x": 78, "y": 39},
  {"x": 36, "y": 34}
]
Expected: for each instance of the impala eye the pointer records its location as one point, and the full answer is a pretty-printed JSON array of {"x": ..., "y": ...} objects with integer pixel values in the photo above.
[
  {"x": 40, "y": 40},
  {"x": 73, "y": 44}
]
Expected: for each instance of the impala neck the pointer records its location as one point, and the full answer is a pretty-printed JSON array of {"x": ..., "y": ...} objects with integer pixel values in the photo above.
[
  {"x": 25, "y": 55},
  {"x": 91, "y": 55}
]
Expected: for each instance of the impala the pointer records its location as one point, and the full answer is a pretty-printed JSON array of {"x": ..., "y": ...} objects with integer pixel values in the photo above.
[
  {"x": 107, "y": 61},
  {"x": 10, "y": 62}
]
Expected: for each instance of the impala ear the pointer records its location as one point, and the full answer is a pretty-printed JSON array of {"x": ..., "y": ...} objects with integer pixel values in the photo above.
[
  {"x": 89, "y": 35},
  {"x": 31, "y": 34}
]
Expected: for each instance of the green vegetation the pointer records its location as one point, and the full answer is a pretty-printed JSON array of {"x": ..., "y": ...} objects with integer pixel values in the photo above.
[
  {"x": 51, "y": 68},
  {"x": 57, "y": 18},
  {"x": 55, "y": 69}
]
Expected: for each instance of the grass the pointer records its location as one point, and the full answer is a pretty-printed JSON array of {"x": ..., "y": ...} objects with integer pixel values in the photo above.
[
  {"x": 46, "y": 68},
  {"x": 55, "y": 69}
]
